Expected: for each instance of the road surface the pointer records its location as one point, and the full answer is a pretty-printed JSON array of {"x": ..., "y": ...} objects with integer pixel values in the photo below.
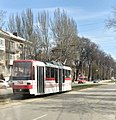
[{"x": 91, "y": 104}]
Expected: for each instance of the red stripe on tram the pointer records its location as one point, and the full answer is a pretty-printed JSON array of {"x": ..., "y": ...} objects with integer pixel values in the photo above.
[
  {"x": 22, "y": 86},
  {"x": 67, "y": 78},
  {"x": 50, "y": 78}
]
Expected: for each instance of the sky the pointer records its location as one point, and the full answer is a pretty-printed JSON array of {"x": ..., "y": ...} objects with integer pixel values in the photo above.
[{"x": 90, "y": 16}]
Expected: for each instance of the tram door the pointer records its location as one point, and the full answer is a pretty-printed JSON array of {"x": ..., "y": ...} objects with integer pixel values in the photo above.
[
  {"x": 40, "y": 79},
  {"x": 60, "y": 80}
]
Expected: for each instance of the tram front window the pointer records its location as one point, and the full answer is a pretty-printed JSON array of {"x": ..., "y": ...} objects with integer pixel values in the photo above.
[{"x": 22, "y": 71}]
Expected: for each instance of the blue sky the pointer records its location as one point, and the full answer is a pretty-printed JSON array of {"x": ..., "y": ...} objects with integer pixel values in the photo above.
[{"x": 90, "y": 16}]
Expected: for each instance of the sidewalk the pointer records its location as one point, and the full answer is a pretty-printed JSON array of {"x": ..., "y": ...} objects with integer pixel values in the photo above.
[{"x": 91, "y": 82}]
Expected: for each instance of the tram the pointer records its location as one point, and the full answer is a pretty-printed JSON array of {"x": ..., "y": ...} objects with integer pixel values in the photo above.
[{"x": 36, "y": 77}]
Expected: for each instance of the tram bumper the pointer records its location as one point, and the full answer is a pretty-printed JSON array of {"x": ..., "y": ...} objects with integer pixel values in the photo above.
[{"x": 19, "y": 89}]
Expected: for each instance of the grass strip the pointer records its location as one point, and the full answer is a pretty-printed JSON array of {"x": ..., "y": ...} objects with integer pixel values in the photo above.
[
  {"x": 84, "y": 86},
  {"x": 112, "y": 81}
]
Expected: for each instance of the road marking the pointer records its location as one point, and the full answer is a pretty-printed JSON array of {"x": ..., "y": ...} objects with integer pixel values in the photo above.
[{"x": 40, "y": 117}]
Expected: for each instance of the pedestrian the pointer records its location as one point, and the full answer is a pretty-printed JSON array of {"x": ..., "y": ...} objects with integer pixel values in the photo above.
[{"x": 2, "y": 77}]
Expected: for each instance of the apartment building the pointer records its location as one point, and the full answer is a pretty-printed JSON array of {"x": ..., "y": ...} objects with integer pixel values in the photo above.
[{"x": 12, "y": 47}]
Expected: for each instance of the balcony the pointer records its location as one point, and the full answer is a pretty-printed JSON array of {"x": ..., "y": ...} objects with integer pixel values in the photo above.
[
  {"x": 9, "y": 62},
  {"x": 17, "y": 50},
  {"x": 2, "y": 62},
  {"x": 10, "y": 50}
]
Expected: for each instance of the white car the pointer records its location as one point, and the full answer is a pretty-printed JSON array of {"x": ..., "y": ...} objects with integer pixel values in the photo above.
[{"x": 3, "y": 84}]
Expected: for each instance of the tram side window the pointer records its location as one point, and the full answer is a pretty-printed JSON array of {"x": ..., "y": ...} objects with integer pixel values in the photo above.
[
  {"x": 68, "y": 72},
  {"x": 48, "y": 72},
  {"x": 56, "y": 75},
  {"x": 52, "y": 72},
  {"x": 64, "y": 75},
  {"x": 33, "y": 73}
]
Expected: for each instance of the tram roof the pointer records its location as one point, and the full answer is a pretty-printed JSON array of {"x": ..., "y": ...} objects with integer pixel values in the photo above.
[
  {"x": 57, "y": 65},
  {"x": 54, "y": 63},
  {"x": 67, "y": 67},
  {"x": 50, "y": 64}
]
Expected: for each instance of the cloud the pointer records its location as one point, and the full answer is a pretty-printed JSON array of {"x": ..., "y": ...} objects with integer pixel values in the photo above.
[
  {"x": 77, "y": 13},
  {"x": 82, "y": 14}
]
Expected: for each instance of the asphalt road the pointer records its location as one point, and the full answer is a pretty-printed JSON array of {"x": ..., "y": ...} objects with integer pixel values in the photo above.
[
  {"x": 91, "y": 104},
  {"x": 6, "y": 91}
]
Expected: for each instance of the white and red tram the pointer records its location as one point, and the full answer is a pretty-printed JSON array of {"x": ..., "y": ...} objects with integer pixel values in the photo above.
[{"x": 36, "y": 77}]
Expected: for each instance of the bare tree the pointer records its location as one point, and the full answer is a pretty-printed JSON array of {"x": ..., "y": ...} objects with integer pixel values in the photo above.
[
  {"x": 2, "y": 14},
  {"x": 43, "y": 31},
  {"x": 64, "y": 31},
  {"x": 15, "y": 24},
  {"x": 37, "y": 33},
  {"x": 28, "y": 23},
  {"x": 111, "y": 21},
  {"x": 23, "y": 24}
]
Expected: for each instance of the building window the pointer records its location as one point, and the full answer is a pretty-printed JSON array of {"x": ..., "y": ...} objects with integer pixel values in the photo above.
[
  {"x": 2, "y": 44},
  {"x": 12, "y": 45}
]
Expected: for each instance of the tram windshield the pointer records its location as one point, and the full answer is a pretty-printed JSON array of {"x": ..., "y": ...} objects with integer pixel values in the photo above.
[{"x": 22, "y": 71}]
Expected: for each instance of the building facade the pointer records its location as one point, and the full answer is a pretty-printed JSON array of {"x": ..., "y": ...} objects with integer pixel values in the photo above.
[{"x": 12, "y": 47}]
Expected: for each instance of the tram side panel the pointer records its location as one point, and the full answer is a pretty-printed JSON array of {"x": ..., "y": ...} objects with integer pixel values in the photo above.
[
  {"x": 68, "y": 80},
  {"x": 51, "y": 80},
  {"x": 67, "y": 85},
  {"x": 40, "y": 79},
  {"x": 46, "y": 80}
]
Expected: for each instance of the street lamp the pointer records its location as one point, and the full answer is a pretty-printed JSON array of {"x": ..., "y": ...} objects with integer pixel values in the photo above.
[{"x": 96, "y": 74}]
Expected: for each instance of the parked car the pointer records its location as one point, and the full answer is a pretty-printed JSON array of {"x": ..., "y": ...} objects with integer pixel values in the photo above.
[
  {"x": 3, "y": 84},
  {"x": 96, "y": 81},
  {"x": 10, "y": 83},
  {"x": 82, "y": 79}
]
